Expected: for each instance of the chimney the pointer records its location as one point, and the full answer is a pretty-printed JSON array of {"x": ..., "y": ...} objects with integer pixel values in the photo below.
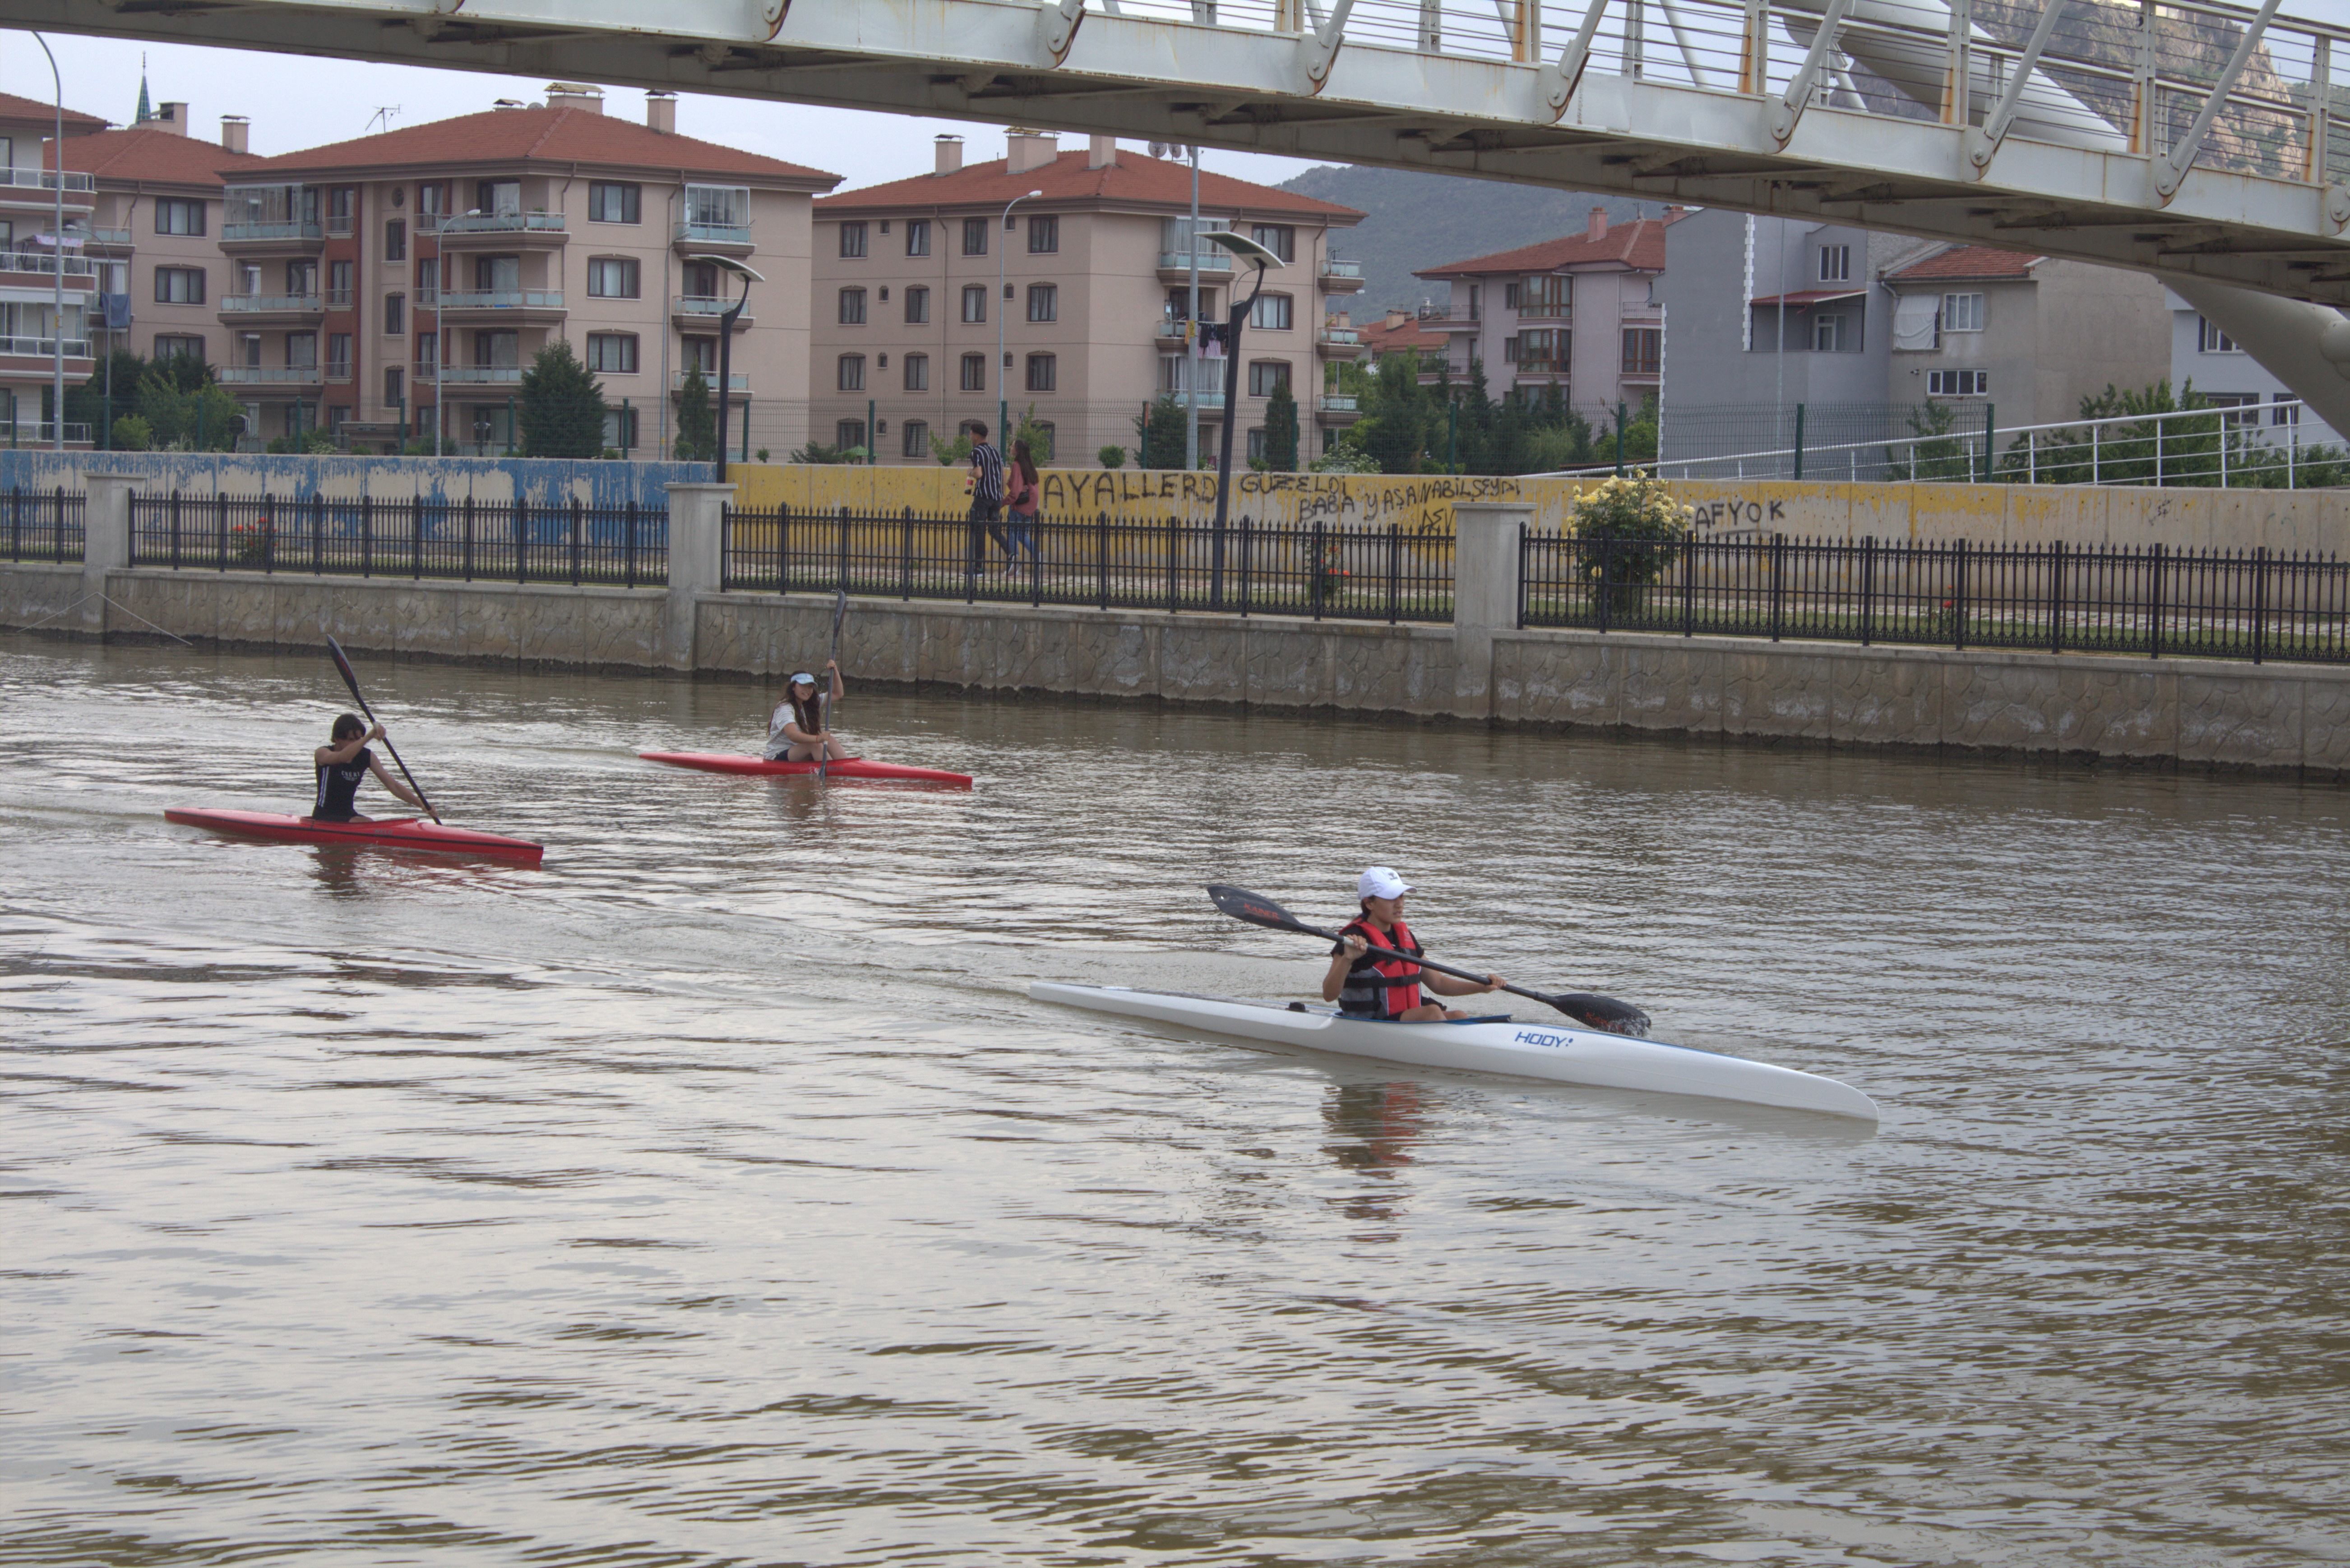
[
  {"x": 1672, "y": 212},
  {"x": 1398, "y": 316},
  {"x": 575, "y": 95},
  {"x": 172, "y": 117},
  {"x": 660, "y": 112},
  {"x": 1598, "y": 230},
  {"x": 950, "y": 155},
  {"x": 1026, "y": 149},
  {"x": 233, "y": 131},
  {"x": 1101, "y": 152}
]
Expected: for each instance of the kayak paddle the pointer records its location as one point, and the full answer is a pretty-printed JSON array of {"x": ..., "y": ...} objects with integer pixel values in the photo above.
[
  {"x": 839, "y": 609},
  {"x": 352, "y": 681},
  {"x": 1587, "y": 1008}
]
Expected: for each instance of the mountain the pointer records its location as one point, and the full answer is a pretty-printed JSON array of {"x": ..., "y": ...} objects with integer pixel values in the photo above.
[{"x": 1419, "y": 220}]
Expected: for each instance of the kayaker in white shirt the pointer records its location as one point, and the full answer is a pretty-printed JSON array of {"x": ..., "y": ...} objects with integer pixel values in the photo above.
[{"x": 796, "y": 731}]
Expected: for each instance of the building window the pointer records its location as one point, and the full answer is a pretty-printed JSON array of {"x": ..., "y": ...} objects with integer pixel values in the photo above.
[
  {"x": 1256, "y": 443},
  {"x": 852, "y": 239},
  {"x": 1044, "y": 234},
  {"x": 2209, "y": 339},
  {"x": 339, "y": 285},
  {"x": 1043, "y": 302},
  {"x": 612, "y": 351},
  {"x": 428, "y": 282},
  {"x": 974, "y": 236},
  {"x": 851, "y": 374},
  {"x": 1267, "y": 376},
  {"x": 395, "y": 386},
  {"x": 918, "y": 237},
  {"x": 179, "y": 215},
  {"x": 849, "y": 433},
  {"x": 974, "y": 303},
  {"x": 1644, "y": 350},
  {"x": 1829, "y": 334},
  {"x": 2284, "y": 409},
  {"x": 1043, "y": 370},
  {"x": 918, "y": 304},
  {"x": 1958, "y": 383},
  {"x": 1543, "y": 352},
  {"x": 1551, "y": 294},
  {"x": 301, "y": 350},
  {"x": 2238, "y": 410},
  {"x": 395, "y": 315},
  {"x": 1836, "y": 264},
  {"x": 395, "y": 240},
  {"x": 852, "y": 306},
  {"x": 917, "y": 434},
  {"x": 1272, "y": 312},
  {"x": 338, "y": 356},
  {"x": 193, "y": 348},
  {"x": 615, "y": 201},
  {"x": 1281, "y": 239},
  {"x": 613, "y": 277},
  {"x": 620, "y": 424},
  {"x": 974, "y": 372},
  {"x": 428, "y": 344},
  {"x": 1962, "y": 313},
  {"x": 917, "y": 372},
  {"x": 700, "y": 354},
  {"x": 342, "y": 208},
  {"x": 179, "y": 286}
]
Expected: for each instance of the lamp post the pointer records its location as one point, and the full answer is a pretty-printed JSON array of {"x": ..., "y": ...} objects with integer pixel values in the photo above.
[
  {"x": 57, "y": 263},
  {"x": 1257, "y": 255},
  {"x": 1003, "y": 396},
  {"x": 726, "y": 320}
]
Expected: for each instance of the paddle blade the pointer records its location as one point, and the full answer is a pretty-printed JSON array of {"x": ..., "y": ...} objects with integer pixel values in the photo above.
[
  {"x": 343, "y": 664},
  {"x": 1602, "y": 1013},
  {"x": 1256, "y": 909}
]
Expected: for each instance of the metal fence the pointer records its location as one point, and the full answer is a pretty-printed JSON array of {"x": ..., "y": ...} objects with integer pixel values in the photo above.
[
  {"x": 46, "y": 525},
  {"x": 497, "y": 541},
  {"x": 2147, "y": 601},
  {"x": 1246, "y": 567}
]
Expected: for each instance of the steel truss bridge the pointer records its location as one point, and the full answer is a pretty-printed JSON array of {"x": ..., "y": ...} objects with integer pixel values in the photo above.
[{"x": 2206, "y": 143}]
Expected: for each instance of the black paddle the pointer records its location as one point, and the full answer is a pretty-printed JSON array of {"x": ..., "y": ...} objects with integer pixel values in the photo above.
[
  {"x": 352, "y": 681},
  {"x": 839, "y": 609},
  {"x": 1591, "y": 1011}
]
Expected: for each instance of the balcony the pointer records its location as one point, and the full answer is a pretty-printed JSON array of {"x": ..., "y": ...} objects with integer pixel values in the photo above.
[
  {"x": 254, "y": 307},
  {"x": 1175, "y": 267},
  {"x": 1341, "y": 276},
  {"x": 39, "y": 187},
  {"x": 108, "y": 239},
  {"x": 1210, "y": 402},
  {"x": 701, "y": 312},
  {"x": 540, "y": 303},
  {"x": 719, "y": 238},
  {"x": 46, "y": 349},
  {"x": 338, "y": 299},
  {"x": 340, "y": 226},
  {"x": 737, "y": 382},
  {"x": 480, "y": 375},
  {"x": 1339, "y": 405},
  {"x": 284, "y": 236},
  {"x": 269, "y": 376},
  {"x": 30, "y": 435},
  {"x": 21, "y": 271},
  {"x": 529, "y": 229},
  {"x": 339, "y": 372},
  {"x": 1338, "y": 342}
]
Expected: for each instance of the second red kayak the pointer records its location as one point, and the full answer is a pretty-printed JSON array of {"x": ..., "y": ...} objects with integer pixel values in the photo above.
[
  {"x": 387, "y": 832},
  {"x": 847, "y": 768}
]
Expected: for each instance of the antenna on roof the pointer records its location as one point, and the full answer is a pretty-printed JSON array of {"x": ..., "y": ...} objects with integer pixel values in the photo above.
[{"x": 383, "y": 114}]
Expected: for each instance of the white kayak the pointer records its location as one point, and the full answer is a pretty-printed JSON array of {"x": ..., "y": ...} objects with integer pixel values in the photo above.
[{"x": 1560, "y": 1052}]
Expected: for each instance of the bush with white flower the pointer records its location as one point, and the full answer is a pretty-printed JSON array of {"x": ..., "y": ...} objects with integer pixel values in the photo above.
[{"x": 1632, "y": 530}]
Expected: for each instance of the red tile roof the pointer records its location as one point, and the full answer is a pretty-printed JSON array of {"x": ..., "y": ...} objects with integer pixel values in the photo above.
[
  {"x": 1639, "y": 246},
  {"x": 1969, "y": 261},
  {"x": 76, "y": 123},
  {"x": 506, "y": 136},
  {"x": 1136, "y": 179},
  {"x": 1403, "y": 335},
  {"x": 153, "y": 157}
]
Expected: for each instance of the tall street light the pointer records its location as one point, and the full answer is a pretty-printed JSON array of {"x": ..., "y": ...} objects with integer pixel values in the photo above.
[
  {"x": 1258, "y": 256},
  {"x": 57, "y": 257},
  {"x": 726, "y": 347},
  {"x": 1003, "y": 394}
]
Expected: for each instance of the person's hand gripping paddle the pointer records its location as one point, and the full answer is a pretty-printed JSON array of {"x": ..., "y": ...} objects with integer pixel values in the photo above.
[
  {"x": 839, "y": 612},
  {"x": 351, "y": 681},
  {"x": 1587, "y": 1008}
]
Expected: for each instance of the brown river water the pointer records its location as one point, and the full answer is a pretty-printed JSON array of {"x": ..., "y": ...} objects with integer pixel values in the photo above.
[{"x": 715, "y": 1195}]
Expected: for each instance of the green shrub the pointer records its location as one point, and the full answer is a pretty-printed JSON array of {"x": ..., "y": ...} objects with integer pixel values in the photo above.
[{"x": 1112, "y": 456}]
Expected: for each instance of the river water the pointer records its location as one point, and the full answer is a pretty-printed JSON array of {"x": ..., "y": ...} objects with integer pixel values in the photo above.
[{"x": 714, "y": 1194}]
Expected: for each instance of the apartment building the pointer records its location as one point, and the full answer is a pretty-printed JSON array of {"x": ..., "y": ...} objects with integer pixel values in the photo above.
[
  {"x": 400, "y": 283},
  {"x": 32, "y": 326},
  {"x": 1079, "y": 263},
  {"x": 1520, "y": 313}
]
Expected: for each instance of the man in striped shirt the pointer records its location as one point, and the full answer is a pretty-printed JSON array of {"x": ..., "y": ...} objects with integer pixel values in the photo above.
[{"x": 987, "y": 487}]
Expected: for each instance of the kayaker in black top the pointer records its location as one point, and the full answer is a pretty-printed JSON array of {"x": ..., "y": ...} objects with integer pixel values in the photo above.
[
  {"x": 1388, "y": 987},
  {"x": 798, "y": 732},
  {"x": 344, "y": 765}
]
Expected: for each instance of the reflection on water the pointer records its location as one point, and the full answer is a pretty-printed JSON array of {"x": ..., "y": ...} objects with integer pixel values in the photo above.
[{"x": 715, "y": 1194}]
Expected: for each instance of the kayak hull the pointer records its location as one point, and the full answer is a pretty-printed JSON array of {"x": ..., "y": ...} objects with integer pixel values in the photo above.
[
  {"x": 386, "y": 833},
  {"x": 1560, "y": 1053},
  {"x": 847, "y": 768}
]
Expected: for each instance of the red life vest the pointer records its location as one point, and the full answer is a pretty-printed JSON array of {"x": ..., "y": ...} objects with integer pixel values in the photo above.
[{"x": 1387, "y": 987}]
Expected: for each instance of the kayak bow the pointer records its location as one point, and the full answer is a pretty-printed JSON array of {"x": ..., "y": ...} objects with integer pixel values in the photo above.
[
  {"x": 389, "y": 833},
  {"x": 845, "y": 768}
]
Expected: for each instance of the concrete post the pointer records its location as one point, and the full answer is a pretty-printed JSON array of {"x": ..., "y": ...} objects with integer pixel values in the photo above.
[
  {"x": 1484, "y": 594},
  {"x": 696, "y": 538},
  {"x": 106, "y": 520}
]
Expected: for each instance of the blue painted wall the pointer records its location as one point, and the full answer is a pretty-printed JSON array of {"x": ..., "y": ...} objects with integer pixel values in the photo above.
[{"x": 539, "y": 481}]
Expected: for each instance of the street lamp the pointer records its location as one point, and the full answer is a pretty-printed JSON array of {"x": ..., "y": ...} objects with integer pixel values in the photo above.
[
  {"x": 1002, "y": 396},
  {"x": 57, "y": 257},
  {"x": 726, "y": 345},
  {"x": 1258, "y": 256}
]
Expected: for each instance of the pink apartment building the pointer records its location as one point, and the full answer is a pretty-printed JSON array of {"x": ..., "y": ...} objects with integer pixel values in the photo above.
[
  {"x": 32, "y": 330},
  {"x": 392, "y": 283},
  {"x": 1088, "y": 286}
]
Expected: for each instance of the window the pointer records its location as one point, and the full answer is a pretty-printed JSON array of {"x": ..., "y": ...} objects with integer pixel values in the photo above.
[
  {"x": 495, "y": 274},
  {"x": 342, "y": 207},
  {"x": 974, "y": 236},
  {"x": 1267, "y": 376},
  {"x": 1272, "y": 312},
  {"x": 2209, "y": 339},
  {"x": 1962, "y": 313},
  {"x": 612, "y": 351},
  {"x": 179, "y": 286},
  {"x": 612, "y": 277},
  {"x": 1044, "y": 234},
  {"x": 179, "y": 215},
  {"x": 193, "y": 348},
  {"x": 1958, "y": 383},
  {"x": 850, "y": 373},
  {"x": 918, "y": 237},
  {"x": 1543, "y": 352},
  {"x": 974, "y": 303},
  {"x": 1830, "y": 334},
  {"x": 428, "y": 281},
  {"x": 338, "y": 356},
  {"x": 917, "y": 433},
  {"x": 395, "y": 239},
  {"x": 700, "y": 354},
  {"x": 1551, "y": 294},
  {"x": 974, "y": 372},
  {"x": 395, "y": 315},
  {"x": 2285, "y": 408},
  {"x": 849, "y": 433},
  {"x": 1256, "y": 444},
  {"x": 615, "y": 201},
  {"x": 1644, "y": 350},
  {"x": 1476, "y": 302},
  {"x": 428, "y": 344},
  {"x": 248, "y": 349},
  {"x": 1836, "y": 264},
  {"x": 852, "y": 306},
  {"x": 621, "y": 426},
  {"x": 917, "y": 372},
  {"x": 301, "y": 350},
  {"x": 852, "y": 240},
  {"x": 498, "y": 196},
  {"x": 497, "y": 351},
  {"x": 1043, "y": 302},
  {"x": 917, "y": 304},
  {"x": 1279, "y": 238},
  {"x": 431, "y": 206},
  {"x": 395, "y": 386},
  {"x": 2242, "y": 410},
  {"x": 339, "y": 285},
  {"x": 1043, "y": 370}
]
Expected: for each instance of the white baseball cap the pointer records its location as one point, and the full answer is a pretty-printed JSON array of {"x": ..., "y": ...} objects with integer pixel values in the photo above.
[
  {"x": 803, "y": 679},
  {"x": 1379, "y": 882}
]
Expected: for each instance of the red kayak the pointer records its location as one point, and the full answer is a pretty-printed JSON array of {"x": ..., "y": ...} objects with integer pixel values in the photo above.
[
  {"x": 389, "y": 833},
  {"x": 847, "y": 768}
]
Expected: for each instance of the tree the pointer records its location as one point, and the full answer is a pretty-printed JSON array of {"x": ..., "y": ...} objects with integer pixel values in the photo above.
[
  {"x": 562, "y": 410},
  {"x": 1280, "y": 429},
  {"x": 1160, "y": 434},
  {"x": 1038, "y": 437},
  {"x": 697, "y": 431},
  {"x": 184, "y": 418}
]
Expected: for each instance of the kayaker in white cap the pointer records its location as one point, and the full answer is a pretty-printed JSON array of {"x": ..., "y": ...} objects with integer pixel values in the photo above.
[
  {"x": 796, "y": 730},
  {"x": 1388, "y": 987}
]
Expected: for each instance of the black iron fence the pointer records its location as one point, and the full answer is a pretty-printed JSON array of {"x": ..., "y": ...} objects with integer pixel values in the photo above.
[
  {"x": 2218, "y": 604},
  {"x": 46, "y": 525},
  {"x": 497, "y": 541},
  {"x": 1245, "y": 567}
]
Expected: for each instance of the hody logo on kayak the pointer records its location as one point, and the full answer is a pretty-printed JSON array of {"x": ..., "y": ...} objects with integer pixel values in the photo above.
[{"x": 1538, "y": 1037}]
